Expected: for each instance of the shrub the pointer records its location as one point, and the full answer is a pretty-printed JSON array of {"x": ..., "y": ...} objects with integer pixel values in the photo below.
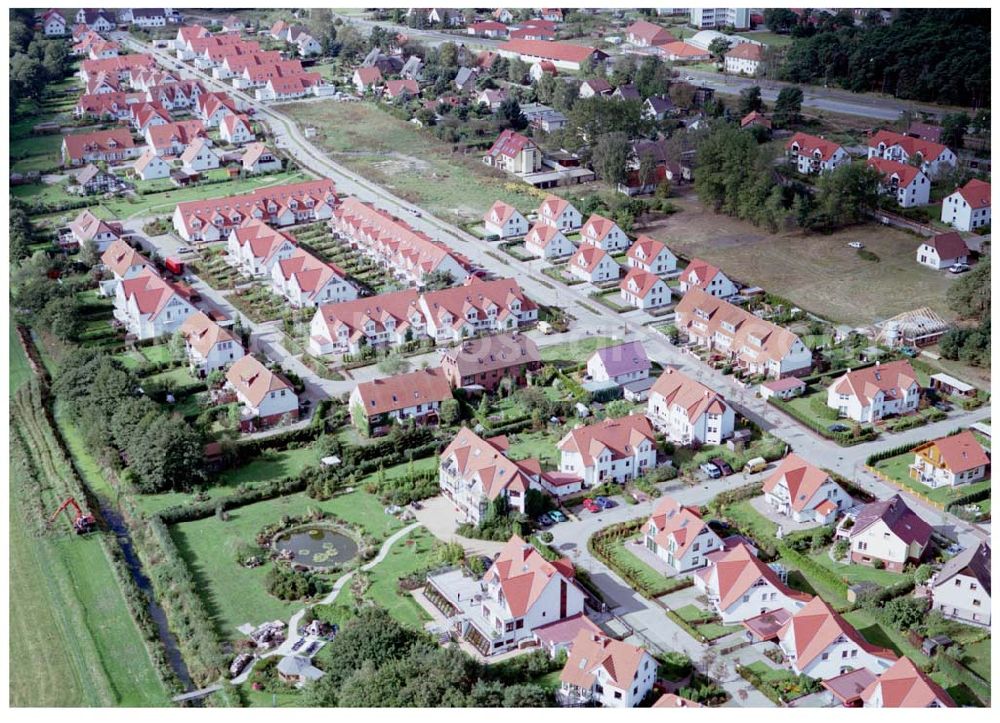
[{"x": 287, "y": 584}]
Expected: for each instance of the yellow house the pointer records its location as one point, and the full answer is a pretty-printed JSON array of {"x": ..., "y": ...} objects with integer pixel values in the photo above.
[{"x": 950, "y": 461}]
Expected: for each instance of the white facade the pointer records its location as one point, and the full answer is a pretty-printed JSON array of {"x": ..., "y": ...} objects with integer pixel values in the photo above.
[
  {"x": 200, "y": 159},
  {"x": 673, "y": 421},
  {"x": 606, "y": 467},
  {"x": 928, "y": 256},
  {"x": 146, "y": 325},
  {"x": 964, "y": 598},
  {"x": 780, "y": 501},
  {"x": 220, "y": 356},
  {"x": 236, "y": 133},
  {"x": 606, "y": 269},
  {"x": 614, "y": 240},
  {"x": 336, "y": 289},
  {"x": 155, "y": 168},
  {"x": 837, "y": 658},
  {"x": 879, "y": 542},
  {"x": 744, "y": 66},
  {"x": 662, "y": 263},
  {"x": 557, "y": 245},
  {"x": 55, "y": 25},
  {"x": 708, "y": 18},
  {"x": 598, "y": 372},
  {"x": 514, "y": 225},
  {"x": 242, "y": 256},
  {"x": 613, "y": 695},
  {"x": 956, "y": 212},
  {"x": 877, "y": 407},
  {"x": 567, "y": 219},
  {"x": 656, "y": 296},
  {"x": 760, "y": 597}
]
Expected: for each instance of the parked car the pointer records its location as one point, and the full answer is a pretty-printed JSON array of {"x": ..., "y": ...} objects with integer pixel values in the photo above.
[
  {"x": 639, "y": 496},
  {"x": 298, "y": 644},
  {"x": 837, "y": 428},
  {"x": 544, "y": 520},
  {"x": 856, "y": 245},
  {"x": 184, "y": 250},
  {"x": 604, "y": 502},
  {"x": 416, "y": 505},
  {"x": 312, "y": 648},
  {"x": 943, "y": 406},
  {"x": 757, "y": 464},
  {"x": 723, "y": 466},
  {"x": 711, "y": 470},
  {"x": 958, "y": 268},
  {"x": 591, "y": 506},
  {"x": 556, "y": 516}
]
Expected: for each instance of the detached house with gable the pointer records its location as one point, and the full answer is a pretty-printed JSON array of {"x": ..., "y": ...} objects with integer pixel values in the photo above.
[
  {"x": 485, "y": 362},
  {"x": 969, "y": 207},
  {"x": 377, "y": 404},
  {"x": 306, "y": 281},
  {"x": 87, "y": 227},
  {"x": 943, "y": 251},
  {"x": 254, "y": 248},
  {"x": 601, "y": 670},
  {"x": 266, "y": 398},
  {"x": 593, "y": 264},
  {"x": 679, "y": 536},
  {"x": 124, "y": 262},
  {"x": 740, "y": 586},
  {"x": 804, "y": 492},
  {"x": 514, "y": 153},
  {"x": 208, "y": 345},
  {"x": 644, "y": 290},
  {"x": 813, "y": 154},
  {"x": 870, "y": 394},
  {"x": 620, "y": 363},
  {"x": 687, "y": 411},
  {"x": 604, "y": 234},
  {"x": 547, "y": 242},
  {"x": 651, "y": 256},
  {"x": 887, "y": 532},
  {"x": 819, "y": 643},
  {"x": 703, "y": 275},
  {"x": 962, "y": 589},
  {"x": 150, "y": 306},
  {"x": 618, "y": 449},
  {"x": 521, "y": 593},
  {"x": 906, "y": 183},
  {"x": 235, "y": 129},
  {"x": 559, "y": 213},
  {"x": 475, "y": 471},
  {"x": 904, "y": 685},
  {"x": 505, "y": 221},
  {"x": 950, "y": 461}
]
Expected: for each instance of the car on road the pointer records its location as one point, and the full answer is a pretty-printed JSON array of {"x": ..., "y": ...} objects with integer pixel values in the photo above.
[
  {"x": 711, "y": 470},
  {"x": 856, "y": 245},
  {"x": 556, "y": 516},
  {"x": 184, "y": 250},
  {"x": 690, "y": 77},
  {"x": 837, "y": 428},
  {"x": 591, "y": 506},
  {"x": 943, "y": 406},
  {"x": 958, "y": 268},
  {"x": 604, "y": 502},
  {"x": 723, "y": 466},
  {"x": 313, "y": 646},
  {"x": 416, "y": 212},
  {"x": 544, "y": 520}
]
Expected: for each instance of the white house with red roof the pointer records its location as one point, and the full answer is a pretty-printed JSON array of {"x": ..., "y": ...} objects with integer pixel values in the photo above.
[
  {"x": 813, "y": 154},
  {"x": 521, "y": 592},
  {"x": 109, "y": 146},
  {"x": 882, "y": 390},
  {"x": 943, "y": 250},
  {"x": 374, "y": 321},
  {"x": 117, "y": 106},
  {"x": 150, "y": 166},
  {"x": 488, "y": 29},
  {"x": 254, "y": 248},
  {"x": 306, "y": 281},
  {"x": 904, "y": 685},
  {"x": 744, "y": 59},
  {"x": 174, "y": 95},
  {"x": 213, "y": 107},
  {"x": 505, "y": 221},
  {"x": 607, "y": 672},
  {"x": 266, "y": 398},
  {"x": 171, "y": 139},
  {"x": 644, "y": 290},
  {"x": 819, "y": 643},
  {"x": 749, "y": 342},
  {"x": 604, "y": 234},
  {"x": 416, "y": 395},
  {"x": 804, "y": 492},
  {"x": 150, "y": 306},
  {"x": 934, "y": 158},
  {"x": 514, "y": 153},
  {"x": 968, "y": 208},
  {"x": 547, "y": 242},
  {"x": 618, "y": 449},
  {"x": 258, "y": 158},
  {"x": 560, "y": 213},
  {"x": 212, "y": 219},
  {"x": 679, "y": 536},
  {"x": 950, "y": 461},
  {"x": 476, "y": 307},
  {"x": 687, "y": 411},
  {"x": 53, "y": 24},
  {"x": 199, "y": 156},
  {"x": 678, "y": 50},
  {"x": 208, "y": 345},
  {"x": 367, "y": 77},
  {"x": 294, "y": 86},
  {"x": 906, "y": 183},
  {"x": 645, "y": 34},
  {"x": 148, "y": 114},
  {"x": 651, "y": 256},
  {"x": 565, "y": 56},
  {"x": 475, "y": 471},
  {"x": 87, "y": 227},
  {"x": 409, "y": 254},
  {"x": 710, "y": 279},
  {"x": 235, "y": 129},
  {"x": 124, "y": 262},
  {"x": 887, "y": 531},
  {"x": 401, "y": 88},
  {"x": 740, "y": 586},
  {"x": 593, "y": 264}
]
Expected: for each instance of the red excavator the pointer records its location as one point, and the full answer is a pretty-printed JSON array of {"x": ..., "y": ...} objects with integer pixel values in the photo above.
[{"x": 82, "y": 524}]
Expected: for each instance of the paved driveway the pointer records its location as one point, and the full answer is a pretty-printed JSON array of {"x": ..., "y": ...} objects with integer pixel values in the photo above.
[{"x": 438, "y": 515}]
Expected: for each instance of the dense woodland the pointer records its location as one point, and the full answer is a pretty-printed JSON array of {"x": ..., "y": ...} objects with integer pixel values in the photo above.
[
  {"x": 940, "y": 56},
  {"x": 970, "y": 299}
]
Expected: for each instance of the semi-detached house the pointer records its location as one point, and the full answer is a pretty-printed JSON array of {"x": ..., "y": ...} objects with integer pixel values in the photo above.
[
  {"x": 208, "y": 345},
  {"x": 254, "y": 248},
  {"x": 474, "y": 472},
  {"x": 306, "y": 281},
  {"x": 150, "y": 306},
  {"x": 687, "y": 411},
  {"x": 618, "y": 449},
  {"x": 747, "y": 341},
  {"x": 907, "y": 184},
  {"x": 933, "y": 158},
  {"x": 813, "y": 154},
  {"x": 417, "y": 395}
]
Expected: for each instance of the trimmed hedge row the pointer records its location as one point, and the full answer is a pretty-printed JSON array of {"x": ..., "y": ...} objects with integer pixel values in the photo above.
[
  {"x": 844, "y": 439},
  {"x": 883, "y": 454},
  {"x": 944, "y": 662}
]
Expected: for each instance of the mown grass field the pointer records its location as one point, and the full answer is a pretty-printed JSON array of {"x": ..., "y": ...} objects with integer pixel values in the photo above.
[{"x": 409, "y": 161}]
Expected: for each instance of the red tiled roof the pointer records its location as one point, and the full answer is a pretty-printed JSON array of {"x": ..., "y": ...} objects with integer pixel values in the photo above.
[
  {"x": 642, "y": 281},
  {"x": 591, "y": 651},
  {"x": 202, "y": 333},
  {"x": 510, "y": 143},
  {"x": 904, "y": 172},
  {"x": 523, "y": 574},
  {"x": 808, "y": 144},
  {"x": 802, "y": 480},
  {"x": 817, "y": 626},
  {"x": 254, "y": 380},
  {"x": 369, "y": 75},
  {"x": 746, "y": 51},
  {"x": 621, "y": 435},
  {"x": 390, "y": 394},
  {"x": 958, "y": 453},
  {"x": 892, "y": 379},
  {"x": 100, "y": 141},
  {"x": 976, "y": 193},
  {"x": 652, "y": 33},
  {"x": 928, "y": 149},
  {"x": 548, "y": 50},
  {"x": 904, "y": 685},
  {"x": 949, "y": 245}
]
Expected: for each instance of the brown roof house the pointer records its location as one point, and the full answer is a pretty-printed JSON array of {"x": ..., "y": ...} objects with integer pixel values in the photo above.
[
  {"x": 488, "y": 360},
  {"x": 415, "y": 395},
  {"x": 267, "y": 398},
  {"x": 886, "y": 533}
]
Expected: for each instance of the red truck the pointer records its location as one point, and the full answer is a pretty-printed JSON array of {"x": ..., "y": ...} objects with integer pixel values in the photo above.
[{"x": 174, "y": 265}]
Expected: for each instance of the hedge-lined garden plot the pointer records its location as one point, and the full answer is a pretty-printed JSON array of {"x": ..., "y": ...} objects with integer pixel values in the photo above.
[{"x": 318, "y": 238}]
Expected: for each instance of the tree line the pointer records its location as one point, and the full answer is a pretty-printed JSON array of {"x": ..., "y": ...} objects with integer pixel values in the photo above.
[
  {"x": 35, "y": 61},
  {"x": 932, "y": 55}
]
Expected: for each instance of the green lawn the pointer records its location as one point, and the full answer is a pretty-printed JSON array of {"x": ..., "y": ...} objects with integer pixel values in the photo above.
[
  {"x": 176, "y": 377},
  {"x": 42, "y": 193},
  {"x": 572, "y": 352},
  {"x": 714, "y": 631},
  {"x": 409, "y": 161},
  {"x": 977, "y": 658},
  {"x": 689, "y": 613},
  {"x": 235, "y": 595},
  {"x": 540, "y": 445},
  {"x": 883, "y": 635},
  {"x": 35, "y": 153},
  {"x": 158, "y": 354},
  {"x": 624, "y": 558},
  {"x": 411, "y": 554},
  {"x": 858, "y": 573},
  {"x": 19, "y": 371},
  {"x": 897, "y": 468}
]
